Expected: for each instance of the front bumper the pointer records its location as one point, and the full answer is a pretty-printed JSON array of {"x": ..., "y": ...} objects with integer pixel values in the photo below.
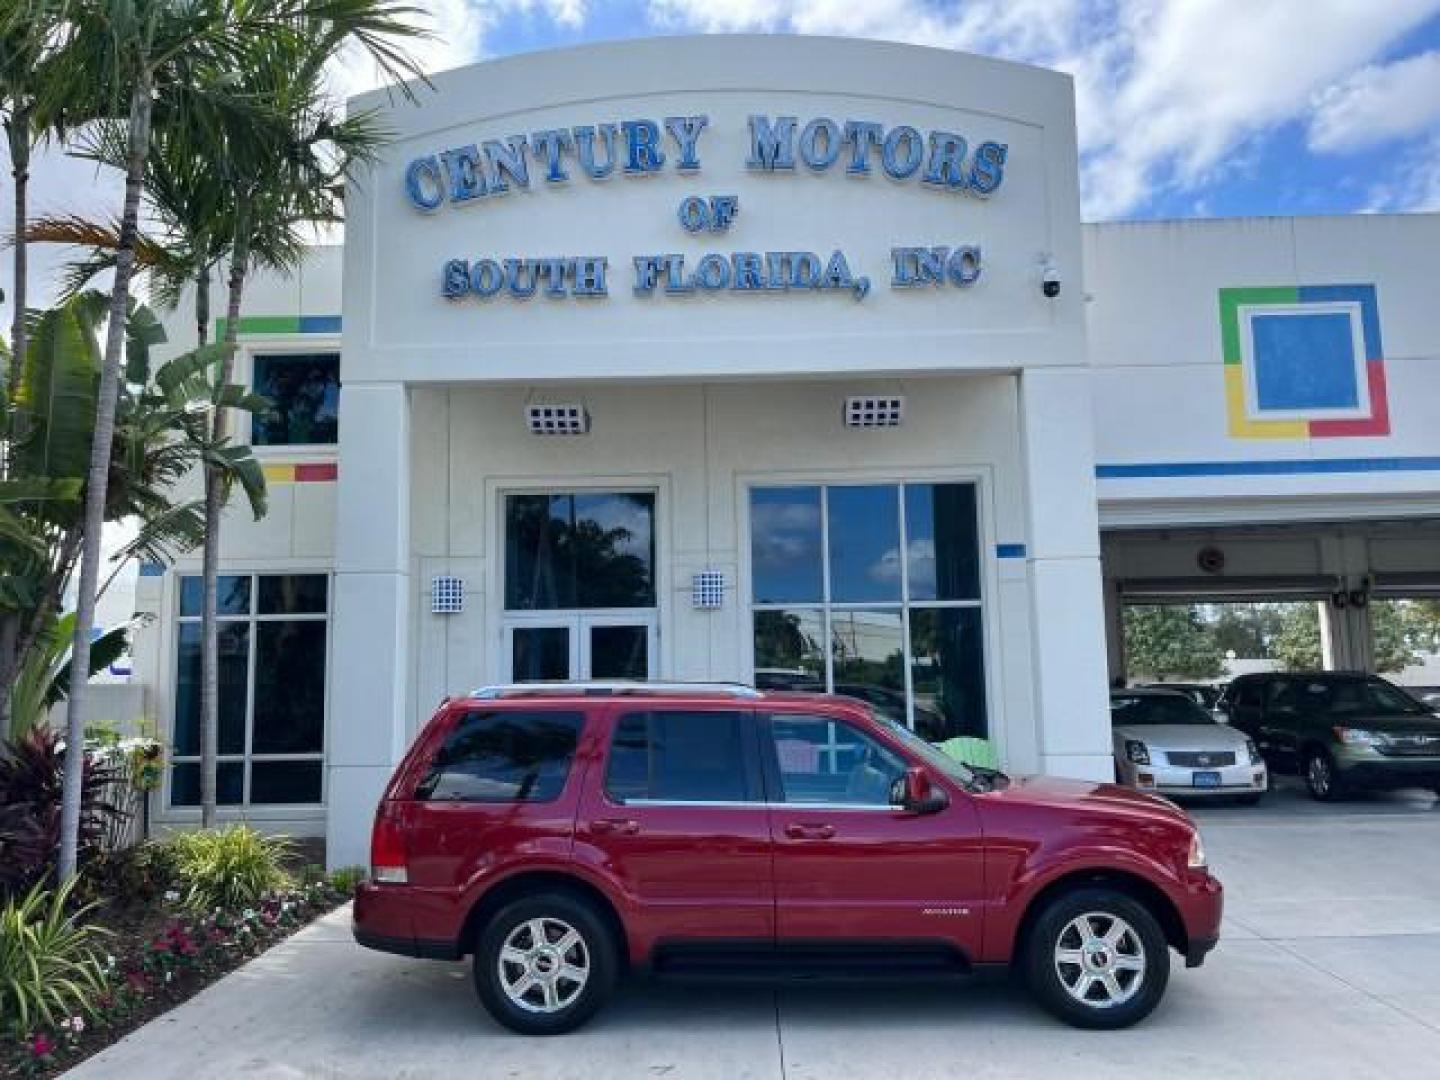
[
  {"x": 1198, "y": 949},
  {"x": 1363, "y": 767},
  {"x": 1177, "y": 780}
]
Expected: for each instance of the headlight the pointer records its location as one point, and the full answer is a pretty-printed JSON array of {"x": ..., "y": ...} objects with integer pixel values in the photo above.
[
  {"x": 1196, "y": 861},
  {"x": 1255, "y": 758},
  {"x": 1136, "y": 752},
  {"x": 1352, "y": 736}
]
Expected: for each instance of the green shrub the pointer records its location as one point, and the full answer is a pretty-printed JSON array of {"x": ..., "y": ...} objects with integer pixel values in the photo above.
[
  {"x": 229, "y": 868},
  {"x": 344, "y": 880},
  {"x": 50, "y": 965}
]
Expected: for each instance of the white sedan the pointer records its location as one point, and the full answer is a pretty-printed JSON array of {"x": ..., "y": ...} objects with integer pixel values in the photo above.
[{"x": 1165, "y": 743}]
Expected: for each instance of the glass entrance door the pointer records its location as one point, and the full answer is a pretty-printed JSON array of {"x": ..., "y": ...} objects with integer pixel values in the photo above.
[{"x": 578, "y": 646}]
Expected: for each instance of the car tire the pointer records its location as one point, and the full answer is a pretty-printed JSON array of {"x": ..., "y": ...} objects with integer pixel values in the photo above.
[
  {"x": 1111, "y": 977},
  {"x": 545, "y": 964},
  {"x": 1322, "y": 779}
]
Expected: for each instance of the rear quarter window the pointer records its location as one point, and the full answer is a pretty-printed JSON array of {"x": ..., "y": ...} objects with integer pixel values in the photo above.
[{"x": 503, "y": 756}]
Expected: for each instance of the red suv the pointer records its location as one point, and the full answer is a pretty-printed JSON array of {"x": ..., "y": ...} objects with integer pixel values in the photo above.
[{"x": 565, "y": 834}]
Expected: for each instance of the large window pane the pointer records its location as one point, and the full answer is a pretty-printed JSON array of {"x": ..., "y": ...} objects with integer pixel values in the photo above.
[
  {"x": 864, "y": 544},
  {"x": 678, "y": 757},
  {"x": 285, "y": 782},
  {"x": 948, "y": 672},
  {"x": 232, "y": 595},
  {"x": 790, "y": 650},
  {"x": 289, "y": 687},
  {"x": 233, "y": 639},
  {"x": 229, "y": 783},
  {"x": 868, "y": 652},
  {"x": 827, "y": 761},
  {"x": 785, "y": 559},
  {"x": 293, "y": 594},
  {"x": 942, "y": 542},
  {"x": 579, "y": 550},
  {"x": 304, "y": 393},
  {"x": 504, "y": 757}
]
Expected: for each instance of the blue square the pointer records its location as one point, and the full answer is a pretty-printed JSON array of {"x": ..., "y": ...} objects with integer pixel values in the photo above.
[{"x": 1304, "y": 361}]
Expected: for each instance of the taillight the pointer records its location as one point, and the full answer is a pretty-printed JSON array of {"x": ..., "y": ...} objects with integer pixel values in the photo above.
[{"x": 387, "y": 848}]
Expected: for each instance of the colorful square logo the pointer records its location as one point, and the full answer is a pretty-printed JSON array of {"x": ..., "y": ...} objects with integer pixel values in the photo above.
[{"x": 1303, "y": 362}]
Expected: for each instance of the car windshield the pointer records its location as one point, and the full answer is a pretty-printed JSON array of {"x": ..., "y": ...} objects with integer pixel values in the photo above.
[
  {"x": 931, "y": 754},
  {"x": 1369, "y": 697},
  {"x": 1127, "y": 710}
]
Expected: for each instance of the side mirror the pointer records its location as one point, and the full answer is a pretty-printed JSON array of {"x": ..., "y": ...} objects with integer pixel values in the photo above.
[{"x": 916, "y": 794}]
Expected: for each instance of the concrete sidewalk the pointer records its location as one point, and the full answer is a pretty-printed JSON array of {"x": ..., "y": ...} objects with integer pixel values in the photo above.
[{"x": 1330, "y": 967}]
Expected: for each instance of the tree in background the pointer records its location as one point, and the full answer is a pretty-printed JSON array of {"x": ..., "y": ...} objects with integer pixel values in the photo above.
[
  {"x": 1247, "y": 630},
  {"x": 1297, "y": 645},
  {"x": 1170, "y": 642}
]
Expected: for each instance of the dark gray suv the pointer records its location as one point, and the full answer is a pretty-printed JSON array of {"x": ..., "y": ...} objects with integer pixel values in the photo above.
[{"x": 1339, "y": 730}]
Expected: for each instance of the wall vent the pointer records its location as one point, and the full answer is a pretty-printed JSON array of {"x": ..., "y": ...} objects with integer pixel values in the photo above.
[
  {"x": 874, "y": 412},
  {"x": 557, "y": 419}
]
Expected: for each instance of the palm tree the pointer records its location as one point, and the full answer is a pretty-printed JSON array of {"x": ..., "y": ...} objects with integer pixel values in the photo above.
[
  {"x": 143, "y": 58},
  {"x": 284, "y": 176},
  {"x": 28, "y": 30}
]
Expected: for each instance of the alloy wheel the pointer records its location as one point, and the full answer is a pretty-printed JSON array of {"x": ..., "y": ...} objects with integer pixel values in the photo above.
[
  {"x": 1319, "y": 776},
  {"x": 544, "y": 965},
  {"x": 1100, "y": 960}
]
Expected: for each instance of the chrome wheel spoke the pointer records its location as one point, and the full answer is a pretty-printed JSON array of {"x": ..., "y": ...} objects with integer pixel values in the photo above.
[
  {"x": 1129, "y": 963},
  {"x": 1070, "y": 956},
  {"x": 1117, "y": 931},
  {"x": 530, "y": 961},
  {"x": 573, "y": 974}
]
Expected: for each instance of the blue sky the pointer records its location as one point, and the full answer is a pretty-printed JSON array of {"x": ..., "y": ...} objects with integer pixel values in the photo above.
[{"x": 1185, "y": 108}]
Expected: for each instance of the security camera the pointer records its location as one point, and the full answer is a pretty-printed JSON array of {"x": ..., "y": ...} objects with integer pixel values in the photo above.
[{"x": 1049, "y": 278}]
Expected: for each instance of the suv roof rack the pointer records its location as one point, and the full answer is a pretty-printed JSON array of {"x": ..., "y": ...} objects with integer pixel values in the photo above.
[{"x": 614, "y": 688}]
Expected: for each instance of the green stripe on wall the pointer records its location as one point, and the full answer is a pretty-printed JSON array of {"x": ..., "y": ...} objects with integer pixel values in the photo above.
[
  {"x": 1230, "y": 302},
  {"x": 261, "y": 324}
]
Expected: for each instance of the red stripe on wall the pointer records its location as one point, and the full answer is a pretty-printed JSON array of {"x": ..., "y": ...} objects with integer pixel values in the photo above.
[
  {"x": 316, "y": 473},
  {"x": 1379, "y": 420}
]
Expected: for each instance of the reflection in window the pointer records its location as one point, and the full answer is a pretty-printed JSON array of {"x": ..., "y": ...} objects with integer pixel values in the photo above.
[
  {"x": 304, "y": 394},
  {"x": 271, "y": 703},
  {"x": 579, "y": 550},
  {"x": 785, "y": 559},
  {"x": 504, "y": 757},
  {"x": 864, "y": 544},
  {"x": 790, "y": 650},
  {"x": 948, "y": 672},
  {"x": 896, "y": 624},
  {"x": 940, "y": 535}
]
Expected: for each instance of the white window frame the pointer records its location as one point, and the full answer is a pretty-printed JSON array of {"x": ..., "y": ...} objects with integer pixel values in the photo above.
[
  {"x": 498, "y": 488},
  {"x": 262, "y": 345},
  {"x": 984, "y": 539},
  {"x": 246, "y": 758}
]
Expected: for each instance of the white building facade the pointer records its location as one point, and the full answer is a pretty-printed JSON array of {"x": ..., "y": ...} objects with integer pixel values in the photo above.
[{"x": 766, "y": 359}]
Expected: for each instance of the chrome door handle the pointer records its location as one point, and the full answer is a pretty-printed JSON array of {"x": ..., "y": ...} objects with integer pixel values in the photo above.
[
  {"x": 622, "y": 826},
  {"x": 809, "y": 832}
]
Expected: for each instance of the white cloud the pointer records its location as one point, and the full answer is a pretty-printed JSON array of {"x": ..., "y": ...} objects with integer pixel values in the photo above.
[
  {"x": 1169, "y": 93},
  {"x": 1416, "y": 185},
  {"x": 1377, "y": 104}
]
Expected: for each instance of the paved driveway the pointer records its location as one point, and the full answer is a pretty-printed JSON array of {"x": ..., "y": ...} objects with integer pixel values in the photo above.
[{"x": 1330, "y": 967}]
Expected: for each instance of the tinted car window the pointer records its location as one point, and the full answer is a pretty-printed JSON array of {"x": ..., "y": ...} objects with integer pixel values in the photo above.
[
  {"x": 1339, "y": 697},
  {"x": 504, "y": 757},
  {"x": 1131, "y": 709},
  {"x": 828, "y": 761},
  {"x": 678, "y": 757}
]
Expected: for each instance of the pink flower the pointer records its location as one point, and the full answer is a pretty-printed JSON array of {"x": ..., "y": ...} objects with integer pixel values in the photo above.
[{"x": 41, "y": 1045}]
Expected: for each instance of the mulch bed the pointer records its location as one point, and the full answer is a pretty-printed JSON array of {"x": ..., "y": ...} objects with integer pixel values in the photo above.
[{"x": 161, "y": 956}]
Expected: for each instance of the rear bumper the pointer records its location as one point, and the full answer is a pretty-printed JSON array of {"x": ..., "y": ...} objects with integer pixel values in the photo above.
[
  {"x": 383, "y": 921},
  {"x": 403, "y": 946}
]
